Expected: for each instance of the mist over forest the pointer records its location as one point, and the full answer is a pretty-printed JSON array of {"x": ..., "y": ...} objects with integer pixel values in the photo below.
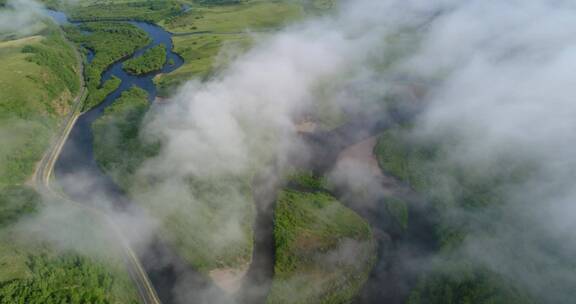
[{"x": 314, "y": 151}]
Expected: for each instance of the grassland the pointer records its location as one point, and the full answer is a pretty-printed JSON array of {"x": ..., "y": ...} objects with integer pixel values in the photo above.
[
  {"x": 38, "y": 82},
  {"x": 254, "y": 15},
  {"x": 324, "y": 251},
  {"x": 37, "y": 85},
  {"x": 149, "y": 11},
  {"x": 110, "y": 42},
  {"x": 152, "y": 60},
  {"x": 208, "y": 36},
  {"x": 201, "y": 55}
]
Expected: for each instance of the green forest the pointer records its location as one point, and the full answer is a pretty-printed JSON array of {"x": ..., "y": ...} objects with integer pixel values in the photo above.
[
  {"x": 308, "y": 228},
  {"x": 67, "y": 278},
  {"x": 152, "y": 60}
]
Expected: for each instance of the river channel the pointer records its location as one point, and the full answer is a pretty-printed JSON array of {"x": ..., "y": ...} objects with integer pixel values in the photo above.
[
  {"x": 83, "y": 181},
  {"x": 387, "y": 284}
]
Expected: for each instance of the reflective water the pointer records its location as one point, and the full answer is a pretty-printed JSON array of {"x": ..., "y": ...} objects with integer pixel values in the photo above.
[
  {"x": 77, "y": 157},
  {"x": 81, "y": 179}
]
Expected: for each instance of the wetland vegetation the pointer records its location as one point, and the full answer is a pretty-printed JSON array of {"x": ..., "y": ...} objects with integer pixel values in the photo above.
[
  {"x": 152, "y": 60},
  {"x": 110, "y": 42}
]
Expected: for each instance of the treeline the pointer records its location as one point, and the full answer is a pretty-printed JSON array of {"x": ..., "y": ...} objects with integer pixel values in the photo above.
[
  {"x": 149, "y": 11},
  {"x": 110, "y": 42},
  {"x": 26, "y": 143},
  {"x": 152, "y": 60},
  {"x": 66, "y": 278}
]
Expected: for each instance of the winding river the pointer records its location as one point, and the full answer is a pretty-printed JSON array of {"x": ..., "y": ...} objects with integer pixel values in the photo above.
[
  {"x": 167, "y": 269},
  {"x": 77, "y": 157},
  {"x": 82, "y": 179}
]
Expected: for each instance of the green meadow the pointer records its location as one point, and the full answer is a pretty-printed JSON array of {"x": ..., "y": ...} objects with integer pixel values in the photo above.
[
  {"x": 209, "y": 36},
  {"x": 37, "y": 85}
]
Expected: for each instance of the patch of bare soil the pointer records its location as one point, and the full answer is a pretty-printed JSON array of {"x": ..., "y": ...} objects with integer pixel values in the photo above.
[
  {"x": 161, "y": 100},
  {"x": 61, "y": 104},
  {"x": 360, "y": 157},
  {"x": 229, "y": 279},
  {"x": 362, "y": 153},
  {"x": 306, "y": 125}
]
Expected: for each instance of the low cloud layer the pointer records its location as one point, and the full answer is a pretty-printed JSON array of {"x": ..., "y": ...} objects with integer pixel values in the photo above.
[
  {"x": 503, "y": 75},
  {"x": 20, "y": 16},
  {"x": 245, "y": 119},
  {"x": 506, "y": 91},
  {"x": 228, "y": 124}
]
